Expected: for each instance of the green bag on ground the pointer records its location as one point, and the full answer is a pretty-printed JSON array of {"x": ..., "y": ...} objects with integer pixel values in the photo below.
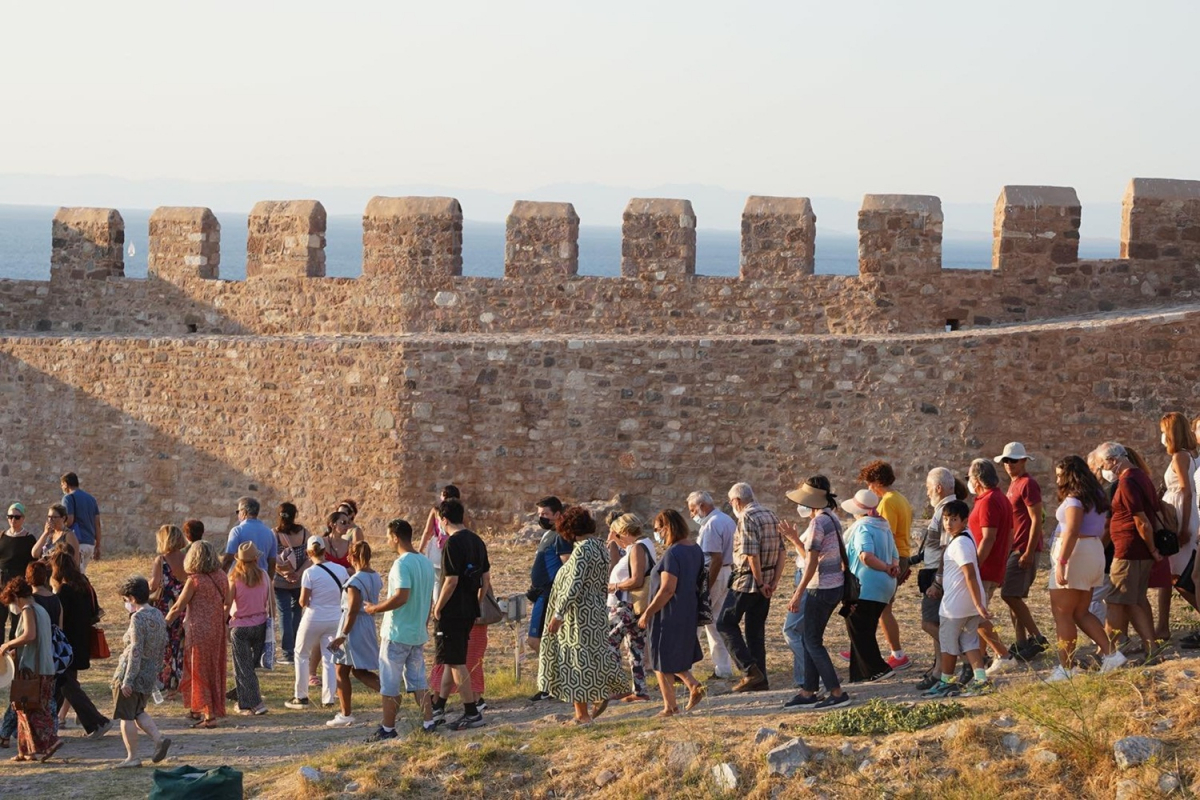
[{"x": 193, "y": 783}]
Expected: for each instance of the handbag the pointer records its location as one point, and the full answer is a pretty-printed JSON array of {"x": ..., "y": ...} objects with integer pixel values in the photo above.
[
  {"x": 489, "y": 610},
  {"x": 704, "y": 612},
  {"x": 851, "y": 586},
  {"x": 26, "y": 691},
  {"x": 1166, "y": 529},
  {"x": 97, "y": 643}
]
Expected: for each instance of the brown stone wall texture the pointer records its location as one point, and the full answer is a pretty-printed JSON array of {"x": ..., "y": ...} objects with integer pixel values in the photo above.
[
  {"x": 169, "y": 427},
  {"x": 541, "y": 241},
  {"x": 286, "y": 239},
  {"x": 88, "y": 243},
  {"x": 778, "y": 238},
  {"x": 1161, "y": 219},
  {"x": 412, "y": 238},
  {"x": 185, "y": 243},
  {"x": 658, "y": 239},
  {"x": 1036, "y": 228}
]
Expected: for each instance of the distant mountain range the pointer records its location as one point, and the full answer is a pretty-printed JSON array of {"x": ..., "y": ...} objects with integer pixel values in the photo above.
[{"x": 717, "y": 208}]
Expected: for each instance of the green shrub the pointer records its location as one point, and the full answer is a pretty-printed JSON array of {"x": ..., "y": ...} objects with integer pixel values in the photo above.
[{"x": 879, "y": 717}]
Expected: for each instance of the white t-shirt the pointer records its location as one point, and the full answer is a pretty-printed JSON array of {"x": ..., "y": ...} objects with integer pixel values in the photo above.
[
  {"x": 956, "y": 600},
  {"x": 325, "y": 602}
]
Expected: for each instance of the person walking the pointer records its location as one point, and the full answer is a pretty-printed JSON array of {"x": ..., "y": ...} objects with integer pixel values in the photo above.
[
  {"x": 206, "y": 601},
  {"x": 83, "y": 517},
  {"x": 820, "y": 589},
  {"x": 631, "y": 556},
  {"x": 166, "y": 584},
  {"x": 16, "y": 551},
  {"x": 33, "y": 655},
  {"x": 1077, "y": 559},
  {"x": 355, "y": 646},
  {"x": 575, "y": 662},
  {"x": 321, "y": 588},
  {"x": 136, "y": 676},
  {"x": 871, "y": 552},
  {"x": 793, "y": 623},
  {"x": 1025, "y": 498},
  {"x": 433, "y": 538},
  {"x": 1180, "y": 493},
  {"x": 991, "y": 525},
  {"x": 940, "y": 488},
  {"x": 896, "y": 510},
  {"x": 249, "y": 606},
  {"x": 292, "y": 561},
  {"x": 552, "y": 552},
  {"x": 251, "y": 529},
  {"x": 80, "y": 609},
  {"x": 758, "y": 556},
  {"x": 671, "y": 618},
  {"x": 717, "y": 530}
]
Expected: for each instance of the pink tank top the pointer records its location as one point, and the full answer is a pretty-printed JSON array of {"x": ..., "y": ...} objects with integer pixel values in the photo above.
[{"x": 249, "y": 605}]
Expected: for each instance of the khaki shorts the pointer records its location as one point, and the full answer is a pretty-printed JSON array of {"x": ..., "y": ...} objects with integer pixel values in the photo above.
[{"x": 1130, "y": 580}]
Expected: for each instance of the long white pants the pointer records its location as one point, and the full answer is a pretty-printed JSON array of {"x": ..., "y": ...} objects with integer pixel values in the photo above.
[
  {"x": 309, "y": 636},
  {"x": 722, "y": 663}
]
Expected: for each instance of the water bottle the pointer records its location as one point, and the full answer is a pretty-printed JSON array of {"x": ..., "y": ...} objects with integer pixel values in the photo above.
[{"x": 157, "y": 695}]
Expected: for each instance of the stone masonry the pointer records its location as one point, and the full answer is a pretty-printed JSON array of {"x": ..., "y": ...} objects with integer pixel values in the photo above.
[{"x": 173, "y": 396}]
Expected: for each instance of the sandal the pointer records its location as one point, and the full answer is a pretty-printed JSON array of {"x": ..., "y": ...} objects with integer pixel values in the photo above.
[
  {"x": 666, "y": 712},
  {"x": 21, "y": 758},
  {"x": 5, "y": 742},
  {"x": 695, "y": 696},
  {"x": 53, "y": 749},
  {"x": 205, "y": 723},
  {"x": 635, "y": 698},
  {"x": 598, "y": 708}
]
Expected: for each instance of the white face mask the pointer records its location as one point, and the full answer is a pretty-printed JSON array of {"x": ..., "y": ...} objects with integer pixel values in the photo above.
[
  {"x": 1108, "y": 475},
  {"x": 14, "y": 609},
  {"x": 804, "y": 511},
  {"x": 972, "y": 487},
  {"x": 697, "y": 518},
  {"x": 1164, "y": 440},
  {"x": 129, "y": 606}
]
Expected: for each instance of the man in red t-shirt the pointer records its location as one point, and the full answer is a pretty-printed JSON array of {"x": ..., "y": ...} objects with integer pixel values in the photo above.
[
  {"x": 1132, "y": 538},
  {"x": 1025, "y": 499},
  {"x": 991, "y": 528}
]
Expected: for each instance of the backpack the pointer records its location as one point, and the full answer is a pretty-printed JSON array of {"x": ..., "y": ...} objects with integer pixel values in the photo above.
[{"x": 63, "y": 654}]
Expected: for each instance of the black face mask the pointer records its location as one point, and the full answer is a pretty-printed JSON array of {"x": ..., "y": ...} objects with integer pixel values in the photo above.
[{"x": 547, "y": 524}]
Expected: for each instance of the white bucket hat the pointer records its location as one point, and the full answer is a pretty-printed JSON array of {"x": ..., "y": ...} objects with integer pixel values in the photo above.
[
  {"x": 1014, "y": 451},
  {"x": 863, "y": 502}
]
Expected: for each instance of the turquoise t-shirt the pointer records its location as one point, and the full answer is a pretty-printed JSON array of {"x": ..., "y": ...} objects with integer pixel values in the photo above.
[
  {"x": 872, "y": 535},
  {"x": 406, "y": 624}
]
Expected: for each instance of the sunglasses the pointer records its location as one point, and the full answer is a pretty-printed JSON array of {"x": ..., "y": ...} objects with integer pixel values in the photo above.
[{"x": 16, "y": 516}]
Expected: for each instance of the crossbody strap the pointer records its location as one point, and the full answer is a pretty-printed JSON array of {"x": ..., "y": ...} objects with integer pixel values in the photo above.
[{"x": 329, "y": 572}]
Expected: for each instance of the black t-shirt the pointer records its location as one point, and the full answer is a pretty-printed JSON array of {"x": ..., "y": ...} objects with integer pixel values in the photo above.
[
  {"x": 15, "y": 554},
  {"x": 465, "y": 555},
  {"x": 78, "y": 611}
]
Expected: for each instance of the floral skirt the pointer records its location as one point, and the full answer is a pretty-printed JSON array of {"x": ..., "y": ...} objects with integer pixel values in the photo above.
[{"x": 37, "y": 731}]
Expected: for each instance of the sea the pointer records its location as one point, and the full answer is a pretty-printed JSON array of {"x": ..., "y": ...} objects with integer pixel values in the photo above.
[{"x": 25, "y": 247}]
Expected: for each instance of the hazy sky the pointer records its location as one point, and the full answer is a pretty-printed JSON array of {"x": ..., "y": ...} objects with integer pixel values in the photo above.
[{"x": 791, "y": 98}]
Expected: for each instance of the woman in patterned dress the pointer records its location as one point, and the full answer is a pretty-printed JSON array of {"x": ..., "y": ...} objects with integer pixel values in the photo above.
[
  {"x": 37, "y": 737},
  {"x": 575, "y": 662},
  {"x": 205, "y": 598},
  {"x": 166, "y": 579}
]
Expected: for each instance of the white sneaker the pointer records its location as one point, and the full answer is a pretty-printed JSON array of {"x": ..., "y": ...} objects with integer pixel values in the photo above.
[
  {"x": 340, "y": 721},
  {"x": 1114, "y": 660},
  {"x": 1060, "y": 674},
  {"x": 1001, "y": 665}
]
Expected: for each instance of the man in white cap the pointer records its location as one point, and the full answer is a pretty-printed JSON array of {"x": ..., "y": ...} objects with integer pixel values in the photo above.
[{"x": 1025, "y": 496}]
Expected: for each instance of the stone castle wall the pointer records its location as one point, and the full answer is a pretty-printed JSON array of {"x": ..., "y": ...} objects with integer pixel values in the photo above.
[{"x": 174, "y": 395}]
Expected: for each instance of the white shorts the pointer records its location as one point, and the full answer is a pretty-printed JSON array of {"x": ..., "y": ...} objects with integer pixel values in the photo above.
[{"x": 1085, "y": 567}]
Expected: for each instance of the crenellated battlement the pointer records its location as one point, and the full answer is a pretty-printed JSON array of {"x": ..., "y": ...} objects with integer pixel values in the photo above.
[{"x": 412, "y": 269}]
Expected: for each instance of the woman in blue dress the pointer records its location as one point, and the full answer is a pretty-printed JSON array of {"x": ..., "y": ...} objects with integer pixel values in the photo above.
[
  {"x": 355, "y": 648},
  {"x": 673, "y": 614}
]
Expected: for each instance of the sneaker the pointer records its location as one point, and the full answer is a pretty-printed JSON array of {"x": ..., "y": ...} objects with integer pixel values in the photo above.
[
  {"x": 897, "y": 664},
  {"x": 833, "y": 701},
  {"x": 878, "y": 676},
  {"x": 286, "y": 658},
  {"x": 1001, "y": 665},
  {"x": 943, "y": 689},
  {"x": 800, "y": 702},
  {"x": 539, "y": 697},
  {"x": 754, "y": 681},
  {"x": 467, "y": 721},
  {"x": 340, "y": 720},
  {"x": 1114, "y": 660},
  {"x": 380, "y": 735},
  {"x": 928, "y": 682},
  {"x": 481, "y": 704},
  {"x": 298, "y": 703},
  {"x": 439, "y": 714},
  {"x": 1029, "y": 649},
  {"x": 231, "y": 695},
  {"x": 431, "y": 725},
  {"x": 966, "y": 674},
  {"x": 844, "y": 656},
  {"x": 160, "y": 749},
  {"x": 101, "y": 730},
  {"x": 1061, "y": 674},
  {"x": 977, "y": 688}
]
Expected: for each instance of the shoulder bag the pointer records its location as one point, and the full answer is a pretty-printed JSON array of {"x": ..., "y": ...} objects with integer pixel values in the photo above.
[
  {"x": 26, "y": 691},
  {"x": 329, "y": 572},
  {"x": 851, "y": 586},
  {"x": 97, "y": 642},
  {"x": 489, "y": 610}
]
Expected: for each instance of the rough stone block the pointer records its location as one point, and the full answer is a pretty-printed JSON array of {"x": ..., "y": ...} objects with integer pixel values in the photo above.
[
  {"x": 412, "y": 237},
  {"x": 778, "y": 237},
  {"x": 1161, "y": 219},
  {"x": 658, "y": 239},
  {"x": 185, "y": 243},
  {"x": 541, "y": 241},
  {"x": 900, "y": 235},
  {"x": 286, "y": 238},
  {"x": 87, "y": 243},
  {"x": 1035, "y": 228}
]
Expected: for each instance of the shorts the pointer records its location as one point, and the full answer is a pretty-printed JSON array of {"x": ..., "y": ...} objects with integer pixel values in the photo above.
[
  {"x": 1130, "y": 580},
  {"x": 128, "y": 708},
  {"x": 929, "y": 609},
  {"x": 537, "y": 616},
  {"x": 959, "y": 636},
  {"x": 1085, "y": 567},
  {"x": 398, "y": 661},
  {"x": 1017, "y": 579},
  {"x": 452, "y": 636},
  {"x": 989, "y": 591}
]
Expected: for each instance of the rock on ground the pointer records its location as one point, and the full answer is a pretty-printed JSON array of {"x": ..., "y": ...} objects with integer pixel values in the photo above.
[
  {"x": 682, "y": 755},
  {"x": 1134, "y": 750},
  {"x": 788, "y": 757},
  {"x": 725, "y": 776},
  {"x": 310, "y": 774}
]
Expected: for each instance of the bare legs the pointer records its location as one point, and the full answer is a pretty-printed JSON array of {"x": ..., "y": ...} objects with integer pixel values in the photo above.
[
  {"x": 1071, "y": 615},
  {"x": 345, "y": 690},
  {"x": 891, "y": 628},
  {"x": 666, "y": 686},
  {"x": 129, "y": 734}
]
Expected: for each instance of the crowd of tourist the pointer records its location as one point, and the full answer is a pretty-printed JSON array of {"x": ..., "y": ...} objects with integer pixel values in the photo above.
[{"x": 611, "y": 600}]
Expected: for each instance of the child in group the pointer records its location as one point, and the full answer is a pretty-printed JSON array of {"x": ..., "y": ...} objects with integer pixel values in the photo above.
[{"x": 963, "y": 607}]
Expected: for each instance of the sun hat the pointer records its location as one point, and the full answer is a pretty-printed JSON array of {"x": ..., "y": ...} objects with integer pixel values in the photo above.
[
  {"x": 863, "y": 502},
  {"x": 1014, "y": 451},
  {"x": 810, "y": 496},
  {"x": 247, "y": 552},
  {"x": 317, "y": 540},
  {"x": 7, "y": 670}
]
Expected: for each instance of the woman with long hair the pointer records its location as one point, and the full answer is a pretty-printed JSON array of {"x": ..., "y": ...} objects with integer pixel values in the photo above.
[
  {"x": 671, "y": 618},
  {"x": 56, "y": 531},
  {"x": 205, "y": 598},
  {"x": 80, "y": 610},
  {"x": 33, "y": 654},
  {"x": 166, "y": 584},
  {"x": 289, "y": 568},
  {"x": 433, "y": 538},
  {"x": 355, "y": 647},
  {"x": 1077, "y": 559},
  {"x": 338, "y": 540},
  {"x": 248, "y": 609},
  {"x": 1180, "y": 492}
]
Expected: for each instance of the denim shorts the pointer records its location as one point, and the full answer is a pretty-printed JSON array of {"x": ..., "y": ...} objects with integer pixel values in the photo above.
[{"x": 398, "y": 661}]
